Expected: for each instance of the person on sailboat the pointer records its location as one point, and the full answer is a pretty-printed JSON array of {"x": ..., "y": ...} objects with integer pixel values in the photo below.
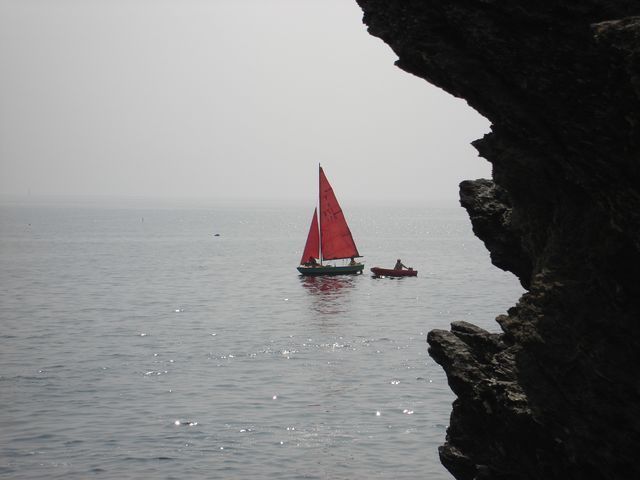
[
  {"x": 353, "y": 262},
  {"x": 399, "y": 265},
  {"x": 311, "y": 262}
]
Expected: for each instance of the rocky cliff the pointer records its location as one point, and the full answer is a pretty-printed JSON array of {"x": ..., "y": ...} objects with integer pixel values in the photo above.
[{"x": 557, "y": 394}]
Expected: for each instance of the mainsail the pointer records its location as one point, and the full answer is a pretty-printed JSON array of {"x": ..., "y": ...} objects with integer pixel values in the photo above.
[
  {"x": 312, "y": 247},
  {"x": 335, "y": 237}
]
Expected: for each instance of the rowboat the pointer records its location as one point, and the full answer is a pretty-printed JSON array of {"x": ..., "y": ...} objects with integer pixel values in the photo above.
[{"x": 390, "y": 272}]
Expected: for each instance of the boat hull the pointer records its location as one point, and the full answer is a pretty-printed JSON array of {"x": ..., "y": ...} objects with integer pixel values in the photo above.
[
  {"x": 389, "y": 272},
  {"x": 331, "y": 270}
]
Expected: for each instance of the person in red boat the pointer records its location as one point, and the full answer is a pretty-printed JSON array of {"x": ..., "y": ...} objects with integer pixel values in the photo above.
[{"x": 399, "y": 265}]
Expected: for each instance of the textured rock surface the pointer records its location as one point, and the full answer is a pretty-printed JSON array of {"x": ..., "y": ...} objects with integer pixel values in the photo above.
[{"x": 557, "y": 394}]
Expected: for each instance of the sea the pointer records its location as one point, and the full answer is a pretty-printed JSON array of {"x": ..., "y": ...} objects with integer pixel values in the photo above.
[{"x": 178, "y": 341}]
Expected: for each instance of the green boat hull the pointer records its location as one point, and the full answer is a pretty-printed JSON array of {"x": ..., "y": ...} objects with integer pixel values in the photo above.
[{"x": 331, "y": 270}]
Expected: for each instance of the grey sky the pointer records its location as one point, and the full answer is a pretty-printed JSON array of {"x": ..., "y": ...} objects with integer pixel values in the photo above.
[{"x": 219, "y": 98}]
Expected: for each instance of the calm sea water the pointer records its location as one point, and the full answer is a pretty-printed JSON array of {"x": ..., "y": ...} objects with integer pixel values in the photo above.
[{"x": 136, "y": 344}]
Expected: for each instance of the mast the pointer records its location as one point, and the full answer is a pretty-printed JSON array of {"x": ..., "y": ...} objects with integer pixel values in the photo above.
[{"x": 319, "y": 211}]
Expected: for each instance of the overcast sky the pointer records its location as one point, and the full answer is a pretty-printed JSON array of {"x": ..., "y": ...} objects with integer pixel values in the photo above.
[{"x": 220, "y": 98}]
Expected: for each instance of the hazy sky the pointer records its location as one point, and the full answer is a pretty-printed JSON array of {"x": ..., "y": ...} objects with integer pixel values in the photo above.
[{"x": 220, "y": 98}]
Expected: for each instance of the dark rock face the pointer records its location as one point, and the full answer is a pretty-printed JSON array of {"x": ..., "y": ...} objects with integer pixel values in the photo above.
[{"x": 557, "y": 394}]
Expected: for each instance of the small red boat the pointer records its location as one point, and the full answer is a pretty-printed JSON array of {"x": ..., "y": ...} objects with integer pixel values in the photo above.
[{"x": 389, "y": 272}]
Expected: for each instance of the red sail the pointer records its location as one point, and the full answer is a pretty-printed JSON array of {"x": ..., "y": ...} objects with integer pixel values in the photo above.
[
  {"x": 336, "y": 238},
  {"x": 312, "y": 247}
]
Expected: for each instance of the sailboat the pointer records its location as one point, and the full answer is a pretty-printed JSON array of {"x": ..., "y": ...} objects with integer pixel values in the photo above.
[{"x": 329, "y": 238}]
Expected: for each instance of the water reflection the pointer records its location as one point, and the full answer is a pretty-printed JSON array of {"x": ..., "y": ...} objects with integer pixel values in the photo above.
[{"x": 329, "y": 295}]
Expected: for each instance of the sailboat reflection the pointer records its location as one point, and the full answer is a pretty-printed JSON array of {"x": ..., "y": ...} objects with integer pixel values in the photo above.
[{"x": 330, "y": 295}]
